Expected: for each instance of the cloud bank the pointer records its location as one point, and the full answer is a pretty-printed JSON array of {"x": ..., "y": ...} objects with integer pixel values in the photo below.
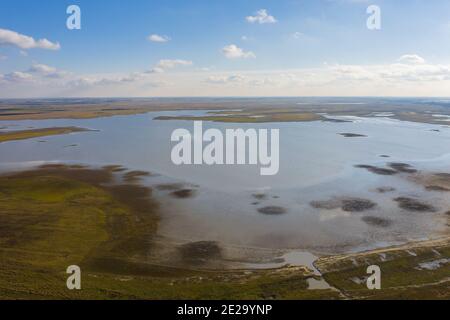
[
  {"x": 12, "y": 38},
  {"x": 408, "y": 75}
]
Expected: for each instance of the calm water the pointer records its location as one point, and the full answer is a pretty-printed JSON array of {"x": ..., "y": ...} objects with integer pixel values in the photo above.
[{"x": 315, "y": 164}]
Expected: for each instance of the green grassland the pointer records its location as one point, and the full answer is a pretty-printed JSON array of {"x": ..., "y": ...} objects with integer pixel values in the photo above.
[{"x": 401, "y": 272}]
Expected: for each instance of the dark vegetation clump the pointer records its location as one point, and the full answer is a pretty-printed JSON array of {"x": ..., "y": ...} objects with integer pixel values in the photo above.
[
  {"x": 410, "y": 204},
  {"x": 346, "y": 204},
  {"x": 352, "y": 135},
  {"x": 357, "y": 205},
  {"x": 183, "y": 193},
  {"x": 385, "y": 189},
  {"x": 377, "y": 170},
  {"x": 272, "y": 210},
  {"x": 376, "y": 221}
]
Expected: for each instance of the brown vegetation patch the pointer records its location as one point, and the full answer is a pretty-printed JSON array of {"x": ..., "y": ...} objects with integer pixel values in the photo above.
[{"x": 443, "y": 175}]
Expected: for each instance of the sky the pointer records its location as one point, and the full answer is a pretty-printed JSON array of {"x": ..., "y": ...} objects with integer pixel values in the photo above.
[{"x": 137, "y": 48}]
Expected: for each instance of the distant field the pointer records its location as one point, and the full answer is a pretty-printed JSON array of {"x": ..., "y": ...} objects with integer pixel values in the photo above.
[{"x": 245, "y": 109}]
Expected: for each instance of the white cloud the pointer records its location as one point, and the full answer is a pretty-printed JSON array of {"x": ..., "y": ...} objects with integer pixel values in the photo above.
[
  {"x": 262, "y": 16},
  {"x": 46, "y": 71},
  {"x": 411, "y": 59},
  {"x": 252, "y": 80},
  {"x": 157, "y": 70},
  {"x": 42, "y": 68},
  {"x": 9, "y": 37},
  {"x": 93, "y": 81},
  {"x": 158, "y": 38},
  {"x": 411, "y": 68},
  {"x": 234, "y": 52},
  {"x": 298, "y": 35},
  {"x": 237, "y": 78},
  {"x": 166, "y": 64},
  {"x": 169, "y": 64},
  {"x": 17, "y": 76}
]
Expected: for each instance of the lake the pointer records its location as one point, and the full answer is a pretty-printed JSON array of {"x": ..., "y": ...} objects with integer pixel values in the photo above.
[{"x": 316, "y": 164}]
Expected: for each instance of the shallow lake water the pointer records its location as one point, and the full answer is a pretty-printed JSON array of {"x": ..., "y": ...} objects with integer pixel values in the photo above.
[{"x": 316, "y": 164}]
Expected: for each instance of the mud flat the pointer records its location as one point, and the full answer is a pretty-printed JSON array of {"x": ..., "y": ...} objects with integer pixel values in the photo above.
[
  {"x": 437, "y": 181},
  {"x": 201, "y": 252}
]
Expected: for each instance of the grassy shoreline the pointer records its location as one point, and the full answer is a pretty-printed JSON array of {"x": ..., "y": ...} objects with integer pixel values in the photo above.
[{"x": 36, "y": 133}]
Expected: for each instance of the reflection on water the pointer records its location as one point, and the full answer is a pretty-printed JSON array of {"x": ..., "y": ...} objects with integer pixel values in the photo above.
[
  {"x": 321, "y": 284},
  {"x": 316, "y": 164}
]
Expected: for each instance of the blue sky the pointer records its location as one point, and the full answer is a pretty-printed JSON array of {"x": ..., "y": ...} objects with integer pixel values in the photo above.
[{"x": 305, "y": 47}]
